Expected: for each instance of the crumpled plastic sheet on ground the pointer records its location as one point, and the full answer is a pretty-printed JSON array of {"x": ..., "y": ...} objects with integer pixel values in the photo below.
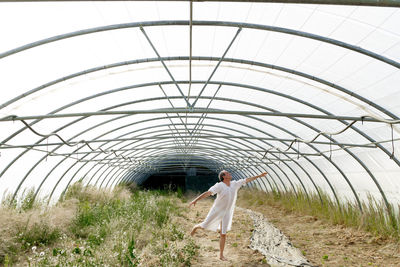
[{"x": 273, "y": 244}]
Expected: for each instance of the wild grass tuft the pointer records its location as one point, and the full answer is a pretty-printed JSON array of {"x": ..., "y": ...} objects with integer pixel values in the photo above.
[
  {"x": 374, "y": 217},
  {"x": 28, "y": 199},
  {"x": 96, "y": 227}
]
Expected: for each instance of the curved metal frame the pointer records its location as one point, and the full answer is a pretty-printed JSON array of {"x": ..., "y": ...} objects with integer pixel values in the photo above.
[
  {"x": 225, "y": 83},
  {"x": 263, "y": 89},
  {"x": 244, "y": 25}
]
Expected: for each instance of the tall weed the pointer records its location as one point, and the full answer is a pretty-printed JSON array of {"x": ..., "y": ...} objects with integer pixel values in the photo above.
[
  {"x": 374, "y": 217},
  {"x": 97, "y": 227}
]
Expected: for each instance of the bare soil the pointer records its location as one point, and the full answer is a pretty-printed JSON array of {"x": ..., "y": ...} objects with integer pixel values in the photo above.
[
  {"x": 324, "y": 244},
  {"x": 237, "y": 249}
]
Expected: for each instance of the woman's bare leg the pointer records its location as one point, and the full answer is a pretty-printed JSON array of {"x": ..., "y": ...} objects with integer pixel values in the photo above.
[
  {"x": 222, "y": 246},
  {"x": 195, "y": 229}
]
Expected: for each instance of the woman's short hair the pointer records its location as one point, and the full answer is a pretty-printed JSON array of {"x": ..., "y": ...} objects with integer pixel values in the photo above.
[{"x": 221, "y": 175}]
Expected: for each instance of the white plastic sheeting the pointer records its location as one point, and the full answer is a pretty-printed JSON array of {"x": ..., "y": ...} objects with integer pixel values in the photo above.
[{"x": 289, "y": 58}]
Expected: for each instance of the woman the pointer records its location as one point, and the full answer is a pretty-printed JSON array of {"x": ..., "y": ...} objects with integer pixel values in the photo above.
[{"x": 220, "y": 215}]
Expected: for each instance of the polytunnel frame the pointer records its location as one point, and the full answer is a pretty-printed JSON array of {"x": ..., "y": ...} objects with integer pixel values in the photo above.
[
  {"x": 245, "y": 156},
  {"x": 126, "y": 145},
  {"x": 165, "y": 159},
  {"x": 297, "y": 33},
  {"x": 229, "y": 136},
  {"x": 227, "y": 146},
  {"x": 286, "y": 152},
  {"x": 226, "y": 83},
  {"x": 169, "y": 138},
  {"x": 231, "y": 121}
]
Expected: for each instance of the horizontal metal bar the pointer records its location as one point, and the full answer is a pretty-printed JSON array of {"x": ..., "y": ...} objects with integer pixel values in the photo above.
[
  {"x": 193, "y": 163},
  {"x": 180, "y": 156},
  {"x": 192, "y": 148},
  {"x": 381, "y": 3},
  {"x": 371, "y": 145},
  {"x": 194, "y": 111}
]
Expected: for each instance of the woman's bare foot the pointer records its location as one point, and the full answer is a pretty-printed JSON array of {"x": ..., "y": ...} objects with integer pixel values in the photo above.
[
  {"x": 194, "y": 230},
  {"x": 222, "y": 258}
]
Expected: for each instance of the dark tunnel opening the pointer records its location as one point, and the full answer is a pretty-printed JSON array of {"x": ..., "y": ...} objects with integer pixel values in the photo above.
[{"x": 194, "y": 178}]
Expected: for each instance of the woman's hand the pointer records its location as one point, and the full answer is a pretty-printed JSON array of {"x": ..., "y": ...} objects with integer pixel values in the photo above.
[{"x": 192, "y": 203}]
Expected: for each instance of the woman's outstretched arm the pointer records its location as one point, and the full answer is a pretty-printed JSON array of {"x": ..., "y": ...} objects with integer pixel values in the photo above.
[
  {"x": 248, "y": 180},
  {"x": 204, "y": 195}
]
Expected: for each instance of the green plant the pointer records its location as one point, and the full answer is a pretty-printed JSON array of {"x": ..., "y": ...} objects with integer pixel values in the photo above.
[
  {"x": 131, "y": 257},
  {"x": 102, "y": 230},
  {"x": 5, "y": 260},
  {"x": 162, "y": 212},
  {"x": 27, "y": 199},
  {"x": 374, "y": 217},
  {"x": 179, "y": 193},
  {"x": 37, "y": 234},
  {"x": 9, "y": 201}
]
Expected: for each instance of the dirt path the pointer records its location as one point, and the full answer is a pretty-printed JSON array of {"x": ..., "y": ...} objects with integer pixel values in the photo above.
[
  {"x": 322, "y": 243},
  {"x": 325, "y": 244},
  {"x": 237, "y": 243}
]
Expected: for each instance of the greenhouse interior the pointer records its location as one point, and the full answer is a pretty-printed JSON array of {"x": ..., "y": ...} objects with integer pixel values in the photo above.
[{"x": 162, "y": 94}]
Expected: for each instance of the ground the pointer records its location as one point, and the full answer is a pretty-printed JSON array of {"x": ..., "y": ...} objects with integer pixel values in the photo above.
[
  {"x": 237, "y": 249},
  {"x": 323, "y": 244}
]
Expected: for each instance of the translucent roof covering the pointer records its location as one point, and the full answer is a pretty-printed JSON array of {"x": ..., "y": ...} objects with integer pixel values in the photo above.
[{"x": 113, "y": 92}]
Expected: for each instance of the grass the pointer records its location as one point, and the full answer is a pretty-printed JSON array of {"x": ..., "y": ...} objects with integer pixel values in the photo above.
[
  {"x": 92, "y": 227},
  {"x": 374, "y": 218}
]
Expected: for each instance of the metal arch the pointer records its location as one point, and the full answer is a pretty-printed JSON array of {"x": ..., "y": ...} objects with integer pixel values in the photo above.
[
  {"x": 201, "y": 23},
  {"x": 214, "y": 158},
  {"x": 121, "y": 174},
  {"x": 368, "y": 53},
  {"x": 327, "y": 181},
  {"x": 378, "y": 3},
  {"x": 141, "y": 129},
  {"x": 227, "y": 137},
  {"x": 159, "y": 134},
  {"x": 160, "y": 125},
  {"x": 275, "y": 164},
  {"x": 244, "y": 62},
  {"x": 147, "y": 133},
  {"x": 200, "y": 160},
  {"x": 263, "y": 182},
  {"x": 116, "y": 174},
  {"x": 19, "y": 131},
  {"x": 279, "y": 168},
  {"x": 43, "y": 181},
  {"x": 158, "y": 159},
  {"x": 243, "y": 86},
  {"x": 303, "y": 36},
  {"x": 109, "y": 171},
  {"x": 239, "y": 61},
  {"x": 131, "y": 175},
  {"x": 121, "y": 179},
  {"x": 72, "y": 177},
  {"x": 246, "y": 146}
]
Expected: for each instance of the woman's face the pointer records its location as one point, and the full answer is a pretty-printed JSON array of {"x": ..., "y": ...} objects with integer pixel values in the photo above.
[{"x": 227, "y": 176}]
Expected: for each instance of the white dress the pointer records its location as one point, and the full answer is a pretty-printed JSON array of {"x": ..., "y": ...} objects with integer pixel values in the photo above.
[{"x": 221, "y": 213}]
